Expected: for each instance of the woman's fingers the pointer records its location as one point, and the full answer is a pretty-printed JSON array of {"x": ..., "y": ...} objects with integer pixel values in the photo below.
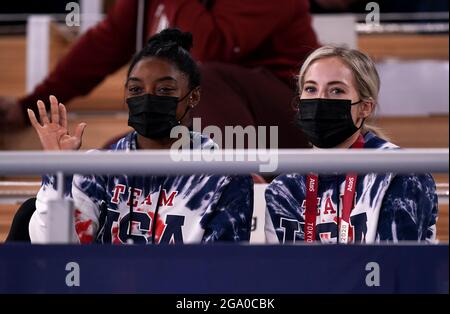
[
  {"x": 42, "y": 113},
  {"x": 80, "y": 130},
  {"x": 34, "y": 122},
  {"x": 54, "y": 109},
  {"x": 63, "y": 115}
]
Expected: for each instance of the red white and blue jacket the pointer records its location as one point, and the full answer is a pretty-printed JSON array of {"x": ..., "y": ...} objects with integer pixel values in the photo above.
[
  {"x": 190, "y": 209},
  {"x": 387, "y": 207}
]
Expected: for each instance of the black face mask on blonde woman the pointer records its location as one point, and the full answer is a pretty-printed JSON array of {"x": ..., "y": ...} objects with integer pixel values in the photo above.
[{"x": 326, "y": 122}]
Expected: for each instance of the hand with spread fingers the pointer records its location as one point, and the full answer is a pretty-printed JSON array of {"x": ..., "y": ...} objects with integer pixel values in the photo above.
[{"x": 53, "y": 132}]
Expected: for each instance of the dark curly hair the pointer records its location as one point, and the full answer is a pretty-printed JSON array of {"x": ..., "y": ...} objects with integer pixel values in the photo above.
[{"x": 173, "y": 45}]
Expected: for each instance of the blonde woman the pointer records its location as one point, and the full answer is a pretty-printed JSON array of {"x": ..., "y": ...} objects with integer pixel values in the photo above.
[{"x": 338, "y": 93}]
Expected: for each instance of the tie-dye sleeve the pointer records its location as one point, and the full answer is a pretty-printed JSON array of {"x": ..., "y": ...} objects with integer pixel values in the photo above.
[
  {"x": 231, "y": 218},
  {"x": 86, "y": 192},
  {"x": 284, "y": 197},
  {"x": 410, "y": 209},
  {"x": 38, "y": 225},
  {"x": 88, "y": 196}
]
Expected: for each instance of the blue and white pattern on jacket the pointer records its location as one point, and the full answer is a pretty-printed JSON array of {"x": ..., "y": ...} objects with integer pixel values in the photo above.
[
  {"x": 192, "y": 209},
  {"x": 388, "y": 207}
]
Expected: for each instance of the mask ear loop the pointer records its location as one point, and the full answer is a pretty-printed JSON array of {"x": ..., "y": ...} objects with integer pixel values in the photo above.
[
  {"x": 184, "y": 114},
  {"x": 184, "y": 97},
  {"x": 364, "y": 119},
  {"x": 188, "y": 108},
  {"x": 362, "y": 123}
]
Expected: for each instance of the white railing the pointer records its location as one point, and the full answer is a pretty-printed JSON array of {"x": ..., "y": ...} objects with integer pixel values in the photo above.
[
  {"x": 165, "y": 162},
  {"x": 220, "y": 162}
]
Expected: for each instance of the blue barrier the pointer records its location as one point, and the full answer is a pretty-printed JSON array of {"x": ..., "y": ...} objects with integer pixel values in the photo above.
[{"x": 222, "y": 268}]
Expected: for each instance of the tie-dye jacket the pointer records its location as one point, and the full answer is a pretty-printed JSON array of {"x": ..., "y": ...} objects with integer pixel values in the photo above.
[
  {"x": 388, "y": 207},
  {"x": 192, "y": 209}
]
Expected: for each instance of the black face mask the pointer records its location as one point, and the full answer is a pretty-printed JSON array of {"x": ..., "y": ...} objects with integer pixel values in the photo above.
[
  {"x": 326, "y": 122},
  {"x": 154, "y": 116}
]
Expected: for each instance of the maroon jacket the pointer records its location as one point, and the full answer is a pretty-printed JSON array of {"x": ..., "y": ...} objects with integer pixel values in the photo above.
[{"x": 252, "y": 33}]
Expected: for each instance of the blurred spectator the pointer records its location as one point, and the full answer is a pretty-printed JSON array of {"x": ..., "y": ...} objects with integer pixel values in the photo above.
[
  {"x": 386, "y": 6},
  {"x": 248, "y": 50}
]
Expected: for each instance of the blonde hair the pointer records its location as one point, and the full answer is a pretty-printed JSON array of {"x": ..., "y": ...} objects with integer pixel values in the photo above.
[{"x": 365, "y": 74}]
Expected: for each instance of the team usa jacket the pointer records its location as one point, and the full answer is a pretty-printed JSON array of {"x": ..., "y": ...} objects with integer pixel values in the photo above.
[
  {"x": 119, "y": 208},
  {"x": 387, "y": 207}
]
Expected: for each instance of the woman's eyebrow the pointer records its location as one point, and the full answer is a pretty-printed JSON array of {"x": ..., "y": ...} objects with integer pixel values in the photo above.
[
  {"x": 166, "y": 78},
  {"x": 336, "y": 82},
  {"x": 134, "y": 79}
]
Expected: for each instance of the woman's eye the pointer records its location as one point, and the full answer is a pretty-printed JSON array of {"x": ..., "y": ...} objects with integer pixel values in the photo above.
[
  {"x": 165, "y": 90},
  {"x": 337, "y": 91},
  {"x": 309, "y": 89},
  {"x": 135, "y": 89}
]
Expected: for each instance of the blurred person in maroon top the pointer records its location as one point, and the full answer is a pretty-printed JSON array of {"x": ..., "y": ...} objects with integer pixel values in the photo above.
[{"x": 248, "y": 51}]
